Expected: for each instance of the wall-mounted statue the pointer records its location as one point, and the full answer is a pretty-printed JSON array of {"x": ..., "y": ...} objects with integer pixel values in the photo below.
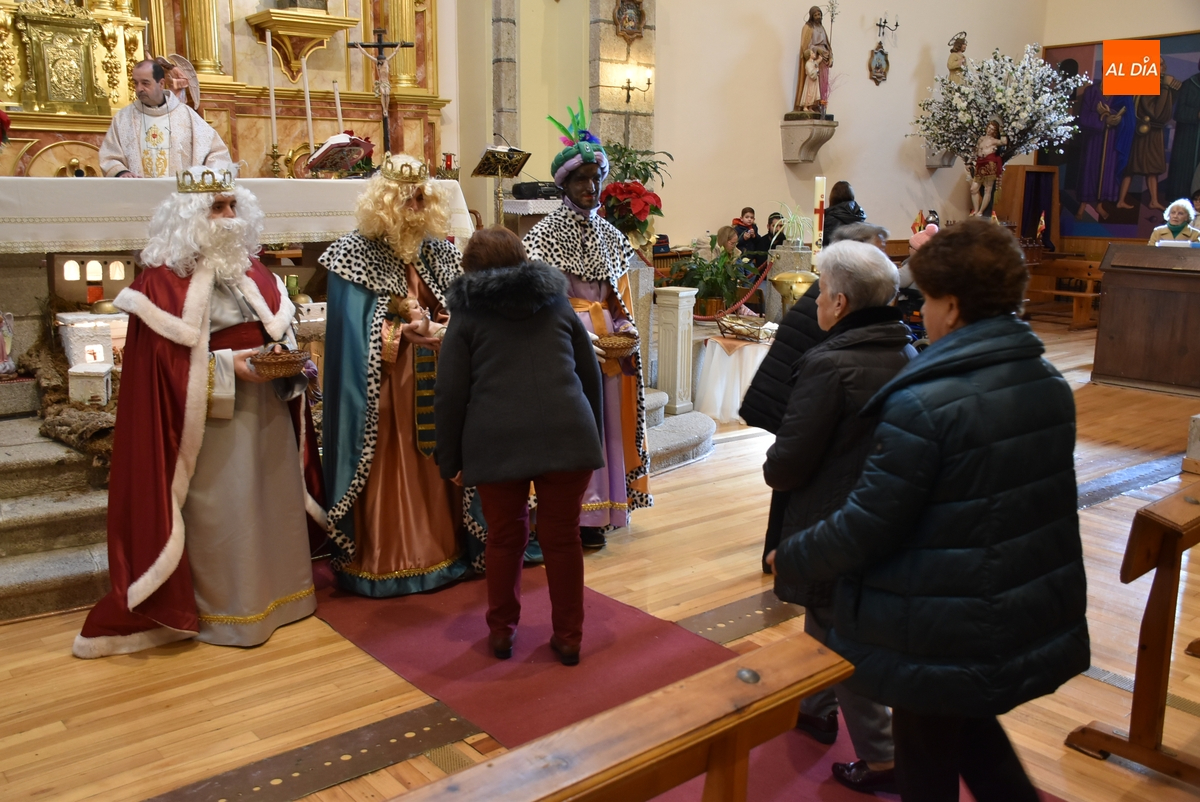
[
  {"x": 958, "y": 56},
  {"x": 814, "y": 41},
  {"x": 988, "y": 166}
]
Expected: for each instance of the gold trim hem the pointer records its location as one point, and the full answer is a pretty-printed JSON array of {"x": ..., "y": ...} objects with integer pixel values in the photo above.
[
  {"x": 402, "y": 574},
  {"x": 254, "y": 619}
]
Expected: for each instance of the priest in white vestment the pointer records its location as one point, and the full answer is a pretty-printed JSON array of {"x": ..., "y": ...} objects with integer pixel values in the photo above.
[{"x": 157, "y": 136}]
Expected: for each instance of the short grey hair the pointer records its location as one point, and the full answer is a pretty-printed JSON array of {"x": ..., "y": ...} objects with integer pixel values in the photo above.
[
  {"x": 859, "y": 271},
  {"x": 1182, "y": 202},
  {"x": 859, "y": 232}
]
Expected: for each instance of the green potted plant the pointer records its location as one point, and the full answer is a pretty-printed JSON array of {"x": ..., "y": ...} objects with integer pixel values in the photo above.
[{"x": 716, "y": 280}]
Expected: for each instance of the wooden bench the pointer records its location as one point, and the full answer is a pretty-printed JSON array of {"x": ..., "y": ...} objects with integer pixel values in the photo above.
[
  {"x": 1078, "y": 269},
  {"x": 634, "y": 752}
]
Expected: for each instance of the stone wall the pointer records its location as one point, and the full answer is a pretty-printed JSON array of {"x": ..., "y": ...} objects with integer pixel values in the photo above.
[
  {"x": 505, "y": 80},
  {"x": 611, "y": 58}
]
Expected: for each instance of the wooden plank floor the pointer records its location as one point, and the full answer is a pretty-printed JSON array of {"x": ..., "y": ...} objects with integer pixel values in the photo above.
[{"x": 130, "y": 727}]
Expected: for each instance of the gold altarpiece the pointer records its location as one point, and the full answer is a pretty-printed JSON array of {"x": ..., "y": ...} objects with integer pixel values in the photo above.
[{"x": 225, "y": 40}]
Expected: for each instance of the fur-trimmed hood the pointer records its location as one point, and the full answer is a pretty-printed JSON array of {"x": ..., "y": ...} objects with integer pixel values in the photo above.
[{"x": 514, "y": 292}]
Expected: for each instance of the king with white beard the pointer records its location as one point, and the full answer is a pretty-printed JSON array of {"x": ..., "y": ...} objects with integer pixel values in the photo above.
[{"x": 208, "y": 512}]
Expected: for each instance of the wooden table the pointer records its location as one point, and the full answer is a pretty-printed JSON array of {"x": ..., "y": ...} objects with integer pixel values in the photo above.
[
  {"x": 1079, "y": 269},
  {"x": 1149, "y": 331}
]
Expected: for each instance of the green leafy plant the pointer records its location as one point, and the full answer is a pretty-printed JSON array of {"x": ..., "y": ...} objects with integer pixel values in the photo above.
[
  {"x": 795, "y": 227},
  {"x": 720, "y": 277},
  {"x": 631, "y": 164}
]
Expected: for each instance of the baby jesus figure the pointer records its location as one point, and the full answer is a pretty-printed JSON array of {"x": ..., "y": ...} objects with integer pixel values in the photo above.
[
  {"x": 810, "y": 96},
  {"x": 988, "y": 167}
]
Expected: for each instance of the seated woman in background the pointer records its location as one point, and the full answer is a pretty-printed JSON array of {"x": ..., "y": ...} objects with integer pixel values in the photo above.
[
  {"x": 818, "y": 454},
  {"x": 960, "y": 584},
  {"x": 843, "y": 210},
  {"x": 1179, "y": 216},
  {"x": 499, "y": 428}
]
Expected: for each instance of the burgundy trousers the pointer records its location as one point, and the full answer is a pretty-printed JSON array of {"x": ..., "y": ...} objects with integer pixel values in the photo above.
[{"x": 506, "y": 510}]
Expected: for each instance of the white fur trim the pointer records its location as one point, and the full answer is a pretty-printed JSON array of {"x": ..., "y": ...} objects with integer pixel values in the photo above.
[
  {"x": 314, "y": 510},
  {"x": 177, "y": 330},
  {"x": 276, "y": 323},
  {"x": 105, "y": 645},
  {"x": 195, "y": 308}
]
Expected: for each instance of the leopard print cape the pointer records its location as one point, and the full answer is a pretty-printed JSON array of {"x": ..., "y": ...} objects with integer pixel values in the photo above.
[
  {"x": 595, "y": 250},
  {"x": 373, "y": 265}
]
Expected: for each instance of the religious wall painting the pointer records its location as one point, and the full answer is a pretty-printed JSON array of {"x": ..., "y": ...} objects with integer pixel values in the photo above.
[
  {"x": 878, "y": 65},
  {"x": 1132, "y": 155},
  {"x": 630, "y": 19}
]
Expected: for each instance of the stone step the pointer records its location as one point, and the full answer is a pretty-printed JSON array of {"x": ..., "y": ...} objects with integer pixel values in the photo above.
[
  {"x": 679, "y": 440},
  {"x": 49, "y": 581},
  {"x": 18, "y": 397},
  {"x": 33, "y": 465},
  {"x": 656, "y": 403},
  {"x": 52, "y": 521}
]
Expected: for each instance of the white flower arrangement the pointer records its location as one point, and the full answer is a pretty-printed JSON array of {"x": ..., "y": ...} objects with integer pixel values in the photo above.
[{"x": 1031, "y": 100}]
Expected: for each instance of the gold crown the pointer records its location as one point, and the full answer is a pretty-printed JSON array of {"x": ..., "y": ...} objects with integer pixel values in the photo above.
[
  {"x": 406, "y": 174},
  {"x": 206, "y": 182}
]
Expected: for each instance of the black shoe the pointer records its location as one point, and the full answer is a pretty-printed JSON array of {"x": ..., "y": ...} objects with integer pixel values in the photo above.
[
  {"x": 823, "y": 730},
  {"x": 858, "y": 777},
  {"x": 592, "y": 537},
  {"x": 501, "y": 644},
  {"x": 567, "y": 655}
]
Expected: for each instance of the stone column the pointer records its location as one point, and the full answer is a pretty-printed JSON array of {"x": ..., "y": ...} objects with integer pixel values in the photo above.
[
  {"x": 641, "y": 288},
  {"x": 203, "y": 28},
  {"x": 402, "y": 27},
  {"x": 675, "y": 306},
  {"x": 610, "y": 58},
  {"x": 506, "y": 119}
]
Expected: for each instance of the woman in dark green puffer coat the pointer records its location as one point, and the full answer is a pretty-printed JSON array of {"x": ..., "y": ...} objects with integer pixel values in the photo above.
[{"x": 962, "y": 590}]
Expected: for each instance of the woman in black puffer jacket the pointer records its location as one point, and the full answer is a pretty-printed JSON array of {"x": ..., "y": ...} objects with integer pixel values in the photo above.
[
  {"x": 518, "y": 400},
  {"x": 962, "y": 591}
]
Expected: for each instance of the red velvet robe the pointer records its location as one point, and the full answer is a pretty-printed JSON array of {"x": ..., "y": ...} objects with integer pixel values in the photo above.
[{"x": 159, "y": 432}]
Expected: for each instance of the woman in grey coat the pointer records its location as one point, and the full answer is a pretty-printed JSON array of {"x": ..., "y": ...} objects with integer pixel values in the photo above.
[
  {"x": 817, "y": 457},
  {"x": 518, "y": 401}
]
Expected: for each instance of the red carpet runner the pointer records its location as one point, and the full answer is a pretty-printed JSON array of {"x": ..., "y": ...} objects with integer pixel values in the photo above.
[{"x": 438, "y": 642}]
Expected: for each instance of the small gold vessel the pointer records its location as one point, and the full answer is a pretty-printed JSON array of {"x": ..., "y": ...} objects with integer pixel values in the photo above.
[
  {"x": 104, "y": 307},
  {"x": 793, "y": 285}
]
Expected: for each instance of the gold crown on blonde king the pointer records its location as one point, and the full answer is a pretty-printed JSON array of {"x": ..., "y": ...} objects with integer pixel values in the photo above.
[
  {"x": 405, "y": 174},
  {"x": 207, "y": 181}
]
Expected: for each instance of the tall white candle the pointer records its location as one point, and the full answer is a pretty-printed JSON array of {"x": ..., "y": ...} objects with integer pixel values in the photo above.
[
  {"x": 312, "y": 142},
  {"x": 337, "y": 101},
  {"x": 818, "y": 211},
  {"x": 271, "y": 87}
]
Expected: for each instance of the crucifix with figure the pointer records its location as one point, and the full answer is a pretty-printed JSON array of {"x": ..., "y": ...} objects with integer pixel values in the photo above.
[{"x": 383, "y": 83}]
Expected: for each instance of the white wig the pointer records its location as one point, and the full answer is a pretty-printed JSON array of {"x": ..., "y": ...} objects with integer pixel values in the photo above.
[
  {"x": 859, "y": 271},
  {"x": 1185, "y": 204},
  {"x": 179, "y": 227}
]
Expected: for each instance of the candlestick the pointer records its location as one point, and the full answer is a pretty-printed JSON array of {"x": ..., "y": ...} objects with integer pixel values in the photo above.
[
  {"x": 818, "y": 212},
  {"x": 337, "y": 101},
  {"x": 312, "y": 142},
  {"x": 271, "y": 86}
]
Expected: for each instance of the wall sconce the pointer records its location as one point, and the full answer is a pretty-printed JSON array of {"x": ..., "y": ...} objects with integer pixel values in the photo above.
[
  {"x": 628, "y": 86},
  {"x": 884, "y": 28}
]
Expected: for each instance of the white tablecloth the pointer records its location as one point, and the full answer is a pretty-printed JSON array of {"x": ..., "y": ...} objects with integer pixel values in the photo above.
[
  {"x": 725, "y": 378},
  {"x": 537, "y": 206},
  {"x": 46, "y": 215}
]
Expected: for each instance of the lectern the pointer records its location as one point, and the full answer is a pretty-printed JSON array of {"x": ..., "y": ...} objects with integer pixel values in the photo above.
[
  {"x": 500, "y": 163},
  {"x": 1160, "y": 534}
]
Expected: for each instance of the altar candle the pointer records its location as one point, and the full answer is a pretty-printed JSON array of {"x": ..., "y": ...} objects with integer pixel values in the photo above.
[
  {"x": 818, "y": 212},
  {"x": 271, "y": 87},
  {"x": 337, "y": 101},
  {"x": 312, "y": 146}
]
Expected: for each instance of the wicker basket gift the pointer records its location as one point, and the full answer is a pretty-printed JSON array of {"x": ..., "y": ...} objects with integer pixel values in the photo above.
[
  {"x": 754, "y": 329},
  {"x": 618, "y": 346},
  {"x": 283, "y": 365}
]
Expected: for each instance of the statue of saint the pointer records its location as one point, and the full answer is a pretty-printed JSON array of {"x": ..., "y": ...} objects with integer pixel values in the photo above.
[
  {"x": 958, "y": 59},
  {"x": 814, "y": 39},
  {"x": 988, "y": 167}
]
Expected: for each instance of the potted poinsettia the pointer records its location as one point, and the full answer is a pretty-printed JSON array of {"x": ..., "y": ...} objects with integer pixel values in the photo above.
[{"x": 628, "y": 205}]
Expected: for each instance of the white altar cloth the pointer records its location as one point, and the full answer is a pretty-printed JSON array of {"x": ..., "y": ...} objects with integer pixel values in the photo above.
[
  {"x": 52, "y": 215},
  {"x": 725, "y": 378}
]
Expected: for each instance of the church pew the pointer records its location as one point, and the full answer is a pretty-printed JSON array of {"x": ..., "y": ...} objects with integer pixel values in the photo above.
[
  {"x": 1081, "y": 302},
  {"x": 706, "y": 723}
]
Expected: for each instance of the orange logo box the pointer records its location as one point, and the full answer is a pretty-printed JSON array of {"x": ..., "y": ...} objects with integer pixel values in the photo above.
[{"x": 1131, "y": 67}]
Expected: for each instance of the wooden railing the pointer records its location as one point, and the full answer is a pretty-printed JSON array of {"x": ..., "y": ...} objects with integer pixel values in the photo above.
[
  {"x": 707, "y": 723},
  {"x": 1082, "y": 270}
]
